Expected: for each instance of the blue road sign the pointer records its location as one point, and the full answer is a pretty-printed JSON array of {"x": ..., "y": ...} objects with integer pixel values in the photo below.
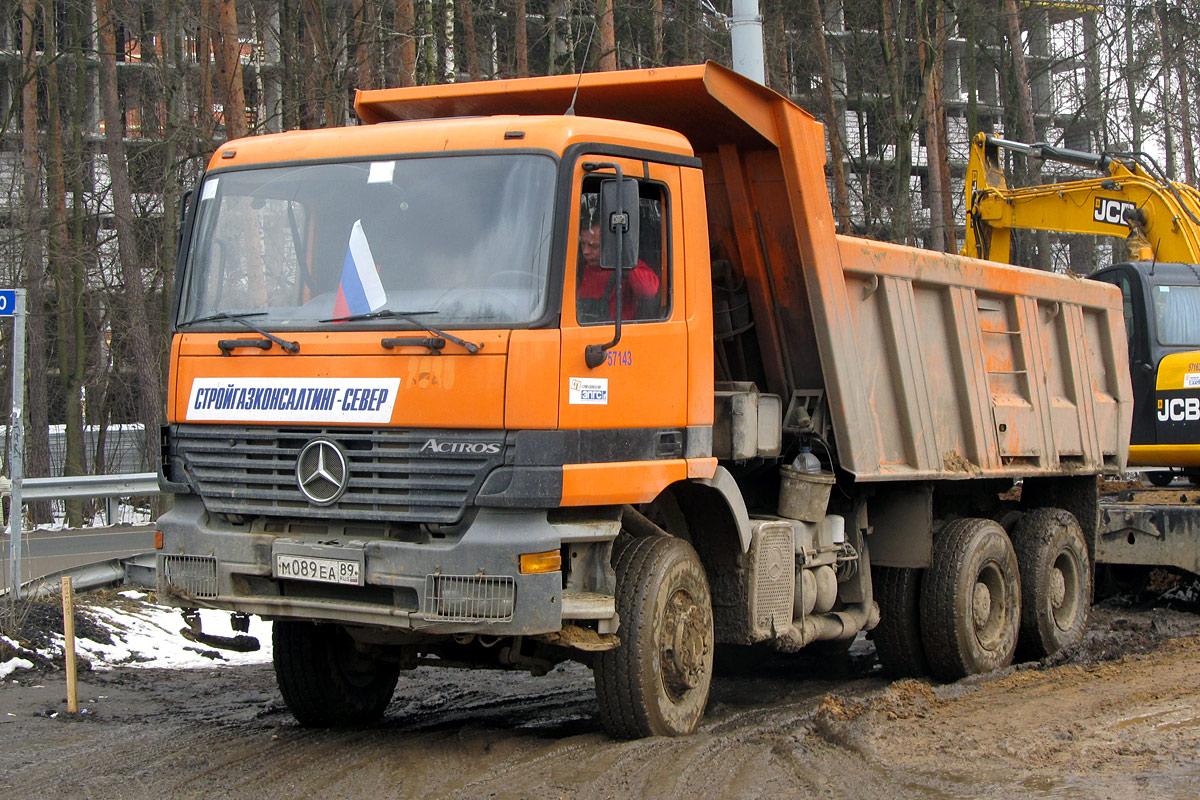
[{"x": 8, "y": 302}]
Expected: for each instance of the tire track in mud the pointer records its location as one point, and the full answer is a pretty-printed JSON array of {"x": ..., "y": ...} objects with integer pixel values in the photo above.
[{"x": 785, "y": 727}]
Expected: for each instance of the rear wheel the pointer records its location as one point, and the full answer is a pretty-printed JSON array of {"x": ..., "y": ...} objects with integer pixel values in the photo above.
[
  {"x": 656, "y": 682},
  {"x": 898, "y": 636},
  {"x": 325, "y": 681},
  {"x": 1056, "y": 583},
  {"x": 970, "y": 600},
  {"x": 1160, "y": 477},
  {"x": 1114, "y": 579}
]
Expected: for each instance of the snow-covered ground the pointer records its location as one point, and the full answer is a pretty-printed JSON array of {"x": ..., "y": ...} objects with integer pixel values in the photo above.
[{"x": 144, "y": 635}]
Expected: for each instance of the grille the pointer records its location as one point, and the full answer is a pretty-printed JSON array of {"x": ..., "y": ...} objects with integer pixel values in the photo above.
[
  {"x": 252, "y": 471},
  {"x": 469, "y": 598},
  {"x": 195, "y": 576}
]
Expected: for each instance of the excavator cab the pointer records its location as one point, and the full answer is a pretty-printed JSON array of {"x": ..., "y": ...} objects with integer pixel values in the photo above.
[{"x": 1162, "y": 319}]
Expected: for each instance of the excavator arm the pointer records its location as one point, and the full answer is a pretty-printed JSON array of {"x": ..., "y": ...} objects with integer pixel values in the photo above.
[{"x": 1158, "y": 218}]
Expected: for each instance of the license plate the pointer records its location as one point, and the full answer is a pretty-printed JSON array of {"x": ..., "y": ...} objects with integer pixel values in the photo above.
[{"x": 320, "y": 570}]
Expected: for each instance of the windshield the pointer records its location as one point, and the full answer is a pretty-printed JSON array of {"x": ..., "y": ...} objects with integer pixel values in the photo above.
[
  {"x": 462, "y": 239},
  {"x": 1177, "y": 315}
]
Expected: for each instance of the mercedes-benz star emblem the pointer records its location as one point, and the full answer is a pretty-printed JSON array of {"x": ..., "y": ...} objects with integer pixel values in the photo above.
[{"x": 321, "y": 472}]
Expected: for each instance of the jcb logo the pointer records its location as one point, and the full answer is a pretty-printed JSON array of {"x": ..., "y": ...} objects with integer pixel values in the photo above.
[
  {"x": 1111, "y": 210},
  {"x": 1179, "y": 409}
]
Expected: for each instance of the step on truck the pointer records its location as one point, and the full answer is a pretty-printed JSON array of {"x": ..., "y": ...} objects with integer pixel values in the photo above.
[{"x": 486, "y": 382}]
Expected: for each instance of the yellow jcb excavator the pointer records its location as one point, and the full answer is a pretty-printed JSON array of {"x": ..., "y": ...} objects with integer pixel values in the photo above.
[{"x": 1160, "y": 222}]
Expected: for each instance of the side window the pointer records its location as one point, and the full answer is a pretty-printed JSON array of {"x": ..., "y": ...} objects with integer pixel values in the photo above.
[
  {"x": 646, "y": 290},
  {"x": 1127, "y": 308}
]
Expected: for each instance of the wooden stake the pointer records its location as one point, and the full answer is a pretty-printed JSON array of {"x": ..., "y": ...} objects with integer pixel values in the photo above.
[{"x": 68, "y": 601}]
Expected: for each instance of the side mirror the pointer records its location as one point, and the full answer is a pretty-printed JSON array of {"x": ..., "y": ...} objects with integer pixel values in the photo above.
[{"x": 619, "y": 214}]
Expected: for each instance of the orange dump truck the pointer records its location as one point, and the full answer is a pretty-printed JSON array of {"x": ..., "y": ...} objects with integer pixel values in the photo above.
[{"x": 483, "y": 383}]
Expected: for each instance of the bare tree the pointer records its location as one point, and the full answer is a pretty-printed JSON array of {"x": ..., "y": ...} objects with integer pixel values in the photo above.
[
  {"x": 607, "y": 51},
  {"x": 133, "y": 297}
]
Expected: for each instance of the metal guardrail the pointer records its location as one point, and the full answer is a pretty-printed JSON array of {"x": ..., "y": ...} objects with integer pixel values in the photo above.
[
  {"x": 79, "y": 486},
  {"x": 136, "y": 484}
]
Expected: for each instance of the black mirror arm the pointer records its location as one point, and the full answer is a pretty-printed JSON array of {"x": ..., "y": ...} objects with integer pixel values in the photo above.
[{"x": 593, "y": 354}]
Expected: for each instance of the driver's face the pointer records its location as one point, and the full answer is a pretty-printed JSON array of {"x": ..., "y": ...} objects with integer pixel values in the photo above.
[{"x": 589, "y": 243}]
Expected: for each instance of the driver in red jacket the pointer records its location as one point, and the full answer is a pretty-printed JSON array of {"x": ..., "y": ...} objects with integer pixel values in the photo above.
[{"x": 597, "y": 284}]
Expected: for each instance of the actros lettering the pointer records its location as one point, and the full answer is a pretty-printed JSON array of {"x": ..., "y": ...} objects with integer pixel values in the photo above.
[
  {"x": 1179, "y": 409},
  {"x": 472, "y": 448}
]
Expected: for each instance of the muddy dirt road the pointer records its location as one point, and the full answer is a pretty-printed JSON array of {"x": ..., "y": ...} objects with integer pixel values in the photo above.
[{"x": 1119, "y": 719}]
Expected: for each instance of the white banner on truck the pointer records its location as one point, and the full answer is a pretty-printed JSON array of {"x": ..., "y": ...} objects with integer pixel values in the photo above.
[{"x": 365, "y": 400}]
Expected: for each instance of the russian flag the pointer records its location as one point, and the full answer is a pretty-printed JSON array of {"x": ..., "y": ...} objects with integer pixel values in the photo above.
[{"x": 360, "y": 291}]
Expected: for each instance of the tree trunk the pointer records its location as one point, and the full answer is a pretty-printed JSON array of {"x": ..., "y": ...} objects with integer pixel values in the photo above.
[
  {"x": 608, "y": 36},
  {"x": 1026, "y": 128},
  {"x": 208, "y": 25},
  {"x": 1135, "y": 111},
  {"x": 450, "y": 63},
  {"x": 362, "y": 46},
  {"x": 1185, "y": 114},
  {"x": 430, "y": 36},
  {"x": 37, "y": 440},
  {"x": 229, "y": 70},
  {"x": 1020, "y": 72},
  {"x": 133, "y": 294},
  {"x": 656, "y": 9},
  {"x": 69, "y": 279},
  {"x": 469, "y": 43},
  {"x": 902, "y": 123},
  {"x": 941, "y": 208},
  {"x": 519, "y": 20},
  {"x": 556, "y": 45},
  {"x": 1168, "y": 124},
  {"x": 841, "y": 197},
  {"x": 405, "y": 21}
]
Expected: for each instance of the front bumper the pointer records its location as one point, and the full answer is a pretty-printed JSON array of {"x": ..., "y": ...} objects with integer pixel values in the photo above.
[{"x": 468, "y": 583}]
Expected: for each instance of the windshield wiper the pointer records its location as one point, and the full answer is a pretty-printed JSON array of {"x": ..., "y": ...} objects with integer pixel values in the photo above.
[
  {"x": 239, "y": 318},
  {"x": 411, "y": 316}
]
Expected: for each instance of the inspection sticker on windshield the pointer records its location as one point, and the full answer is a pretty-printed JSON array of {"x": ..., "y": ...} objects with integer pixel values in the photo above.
[
  {"x": 589, "y": 392},
  {"x": 292, "y": 399}
]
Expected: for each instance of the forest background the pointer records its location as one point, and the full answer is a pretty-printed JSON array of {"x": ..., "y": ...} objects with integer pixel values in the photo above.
[{"x": 114, "y": 106}]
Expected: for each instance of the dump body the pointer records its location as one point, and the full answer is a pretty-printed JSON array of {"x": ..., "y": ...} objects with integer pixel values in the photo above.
[{"x": 933, "y": 366}]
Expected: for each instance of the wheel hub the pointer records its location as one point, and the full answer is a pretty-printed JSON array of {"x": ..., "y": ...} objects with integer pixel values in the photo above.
[
  {"x": 981, "y": 605},
  {"x": 683, "y": 643},
  {"x": 1058, "y": 588}
]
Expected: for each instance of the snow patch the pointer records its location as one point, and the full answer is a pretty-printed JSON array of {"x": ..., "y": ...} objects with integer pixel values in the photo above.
[
  {"x": 147, "y": 635},
  {"x": 12, "y": 665}
]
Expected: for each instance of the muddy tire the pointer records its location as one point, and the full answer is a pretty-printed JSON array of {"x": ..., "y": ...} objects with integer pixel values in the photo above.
[
  {"x": 324, "y": 680},
  {"x": 1056, "y": 581},
  {"x": 898, "y": 636},
  {"x": 970, "y": 600},
  {"x": 656, "y": 682}
]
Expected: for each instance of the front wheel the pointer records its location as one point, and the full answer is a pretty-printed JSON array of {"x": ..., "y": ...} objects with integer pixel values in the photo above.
[
  {"x": 1056, "y": 582},
  {"x": 325, "y": 681},
  {"x": 970, "y": 600},
  {"x": 656, "y": 682}
]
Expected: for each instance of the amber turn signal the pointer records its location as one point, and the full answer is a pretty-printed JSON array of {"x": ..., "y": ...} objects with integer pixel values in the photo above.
[
  {"x": 532, "y": 563},
  {"x": 158, "y": 540}
]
